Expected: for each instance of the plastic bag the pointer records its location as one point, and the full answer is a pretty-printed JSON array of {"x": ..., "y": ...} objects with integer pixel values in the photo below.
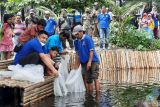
[
  {"x": 59, "y": 83},
  {"x": 30, "y": 72},
  {"x": 6, "y": 73},
  {"x": 65, "y": 82},
  {"x": 74, "y": 82},
  {"x": 65, "y": 63}
]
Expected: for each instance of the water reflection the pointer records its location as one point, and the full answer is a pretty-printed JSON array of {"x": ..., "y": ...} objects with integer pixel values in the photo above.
[
  {"x": 119, "y": 88},
  {"x": 77, "y": 100},
  {"x": 71, "y": 100}
]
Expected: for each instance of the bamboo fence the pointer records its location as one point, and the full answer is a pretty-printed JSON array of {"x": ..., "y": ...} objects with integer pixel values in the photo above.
[
  {"x": 4, "y": 63},
  {"x": 126, "y": 59},
  {"x": 118, "y": 59},
  {"x": 128, "y": 66}
]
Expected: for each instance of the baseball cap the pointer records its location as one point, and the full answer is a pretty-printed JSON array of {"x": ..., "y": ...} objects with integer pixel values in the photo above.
[
  {"x": 47, "y": 12},
  {"x": 95, "y": 3},
  {"x": 77, "y": 29},
  {"x": 31, "y": 11}
]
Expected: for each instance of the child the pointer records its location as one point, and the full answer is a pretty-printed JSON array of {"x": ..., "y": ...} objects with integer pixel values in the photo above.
[
  {"x": 6, "y": 45},
  {"x": 54, "y": 55}
]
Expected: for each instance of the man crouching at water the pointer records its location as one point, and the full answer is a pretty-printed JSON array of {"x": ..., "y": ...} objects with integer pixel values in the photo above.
[{"x": 32, "y": 53}]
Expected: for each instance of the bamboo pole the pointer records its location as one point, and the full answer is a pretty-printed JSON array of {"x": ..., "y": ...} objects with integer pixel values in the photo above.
[
  {"x": 47, "y": 80},
  {"x": 26, "y": 93},
  {"x": 146, "y": 59},
  {"x": 127, "y": 60},
  {"x": 35, "y": 100},
  {"x": 158, "y": 55},
  {"x": 158, "y": 58},
  {"x": 37, "y": 93},
  {"x": 107, "y": 56}
]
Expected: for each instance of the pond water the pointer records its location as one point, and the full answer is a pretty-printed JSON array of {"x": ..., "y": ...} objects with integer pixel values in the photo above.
[{"x": 120, "y": 88}]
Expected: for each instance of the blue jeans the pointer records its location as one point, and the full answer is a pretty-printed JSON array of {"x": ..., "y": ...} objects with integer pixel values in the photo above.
[{"x": 104, "y": 35}]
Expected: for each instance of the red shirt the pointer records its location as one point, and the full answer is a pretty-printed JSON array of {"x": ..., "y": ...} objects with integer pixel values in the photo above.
[{"x": 28, "y": 34}]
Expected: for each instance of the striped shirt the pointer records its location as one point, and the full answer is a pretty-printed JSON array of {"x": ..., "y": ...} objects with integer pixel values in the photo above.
[{"x": 19, "y": 28}]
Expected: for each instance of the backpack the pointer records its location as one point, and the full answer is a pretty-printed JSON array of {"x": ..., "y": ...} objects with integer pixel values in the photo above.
[
  {"x": 65, "y": 22},
  {"x": 50, "y": 27}
]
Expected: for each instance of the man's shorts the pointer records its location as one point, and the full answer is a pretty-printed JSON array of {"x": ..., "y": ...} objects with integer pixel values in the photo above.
[{"x": 92, "y": 74}]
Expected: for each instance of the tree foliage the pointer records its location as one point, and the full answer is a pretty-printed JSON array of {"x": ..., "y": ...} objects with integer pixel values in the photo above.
[{"x": 56, "y": 5}]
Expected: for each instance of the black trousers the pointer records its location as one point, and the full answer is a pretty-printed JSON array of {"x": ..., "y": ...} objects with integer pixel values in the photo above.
[{"x": 32, "y": 58}]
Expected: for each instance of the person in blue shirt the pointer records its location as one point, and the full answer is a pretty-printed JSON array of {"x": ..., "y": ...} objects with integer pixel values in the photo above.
[
  {"x": 155, "y": 30},
  {"x": 104, "y": 21},
  {"x": 51, "y": 24},
  {"x": 56, "y": 40},
  {"x": 87, "y": 57},
  {"x": 32, "y": 53}
]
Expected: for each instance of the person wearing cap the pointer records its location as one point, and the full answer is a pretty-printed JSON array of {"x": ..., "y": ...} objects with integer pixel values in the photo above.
[
  {"x": 87, "y": 57},
  {"x": 96, "y": 5},
  {"x": 94, "y": 13},
  {"x": 87, "y": 22},
  {"x": 104, "y": 23},
  {"x": 50, "y": 24},
  {"x": 31, "y": 19}
]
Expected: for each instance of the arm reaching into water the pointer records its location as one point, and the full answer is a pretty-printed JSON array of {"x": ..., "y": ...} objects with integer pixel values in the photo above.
[{"x": 49, "y": 63}]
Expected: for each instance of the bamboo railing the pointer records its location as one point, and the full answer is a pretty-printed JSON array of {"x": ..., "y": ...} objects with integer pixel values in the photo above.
[
  {"x": 4, "y": 63},
  {"x": 127, "y": 59}
]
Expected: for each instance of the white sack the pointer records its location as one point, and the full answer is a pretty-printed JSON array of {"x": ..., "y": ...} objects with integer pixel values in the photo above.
[
  {"x": 6, "y": 73},
  {"x": 65, "y": 82},
  {"x": 74, "y": 82},
  {"x": 30, "y": 72},
  {"x": 65, "y": 63},
  {"x": 59, "y": 83}
]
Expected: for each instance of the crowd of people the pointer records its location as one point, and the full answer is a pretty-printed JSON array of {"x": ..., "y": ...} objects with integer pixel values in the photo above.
[
  {"x": 41, "y": 41},
  {"x": 150, "y": 23}
]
